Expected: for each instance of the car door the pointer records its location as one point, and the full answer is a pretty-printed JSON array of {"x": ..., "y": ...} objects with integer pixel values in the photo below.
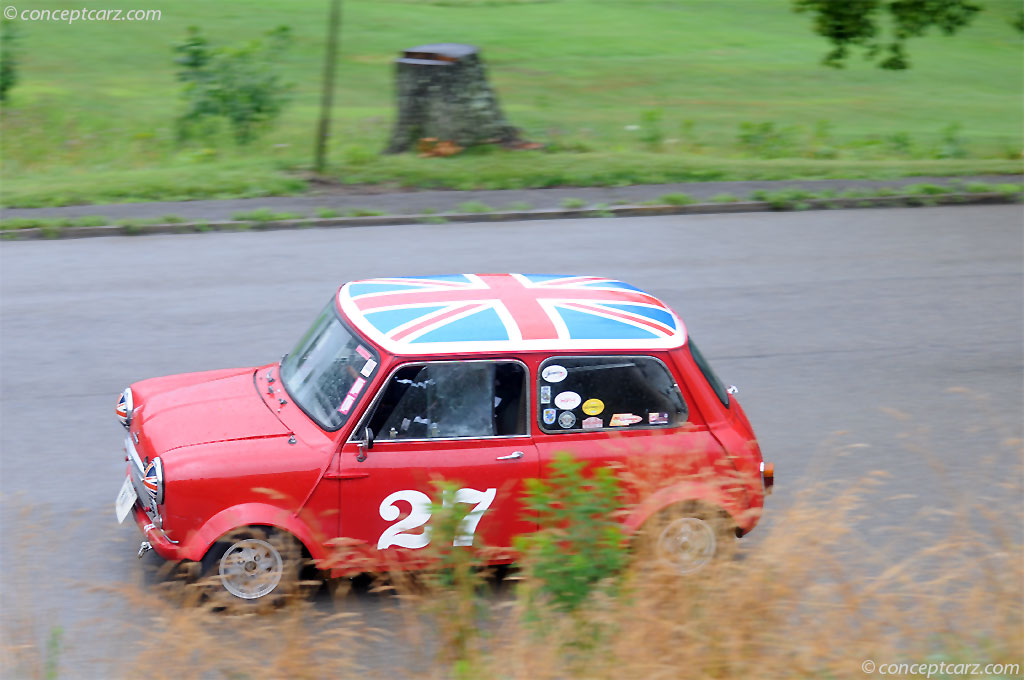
[
  {"x": 621, "y": 411},
  {"x": 460, "y": 422}
]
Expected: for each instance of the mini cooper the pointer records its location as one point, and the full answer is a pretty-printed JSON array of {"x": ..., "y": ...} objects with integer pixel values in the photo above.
[{"x": 478, "y": 380}]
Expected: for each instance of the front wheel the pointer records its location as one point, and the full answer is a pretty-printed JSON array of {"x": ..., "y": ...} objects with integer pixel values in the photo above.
[{"x": 252, "y": 566}]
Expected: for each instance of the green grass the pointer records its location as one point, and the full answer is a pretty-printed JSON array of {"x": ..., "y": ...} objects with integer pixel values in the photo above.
[{"x": 620, "y": 92}]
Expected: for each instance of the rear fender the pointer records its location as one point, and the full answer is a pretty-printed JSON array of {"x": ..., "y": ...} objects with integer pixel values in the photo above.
[{"x": 249, "y": 514}]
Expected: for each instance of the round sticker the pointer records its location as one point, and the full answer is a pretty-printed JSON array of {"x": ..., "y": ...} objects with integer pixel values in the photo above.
[
  {"x": 554, "y": 373},
  {"x": 593, "y": 406},
  {"x": 566, "y": 419},
  {"x": 567, "y": 400}
]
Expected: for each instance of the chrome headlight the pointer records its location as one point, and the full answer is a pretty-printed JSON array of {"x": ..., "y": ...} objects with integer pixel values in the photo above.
[
  {"x": 153, "y": 480},
  {"x": 124, "y": 407}
]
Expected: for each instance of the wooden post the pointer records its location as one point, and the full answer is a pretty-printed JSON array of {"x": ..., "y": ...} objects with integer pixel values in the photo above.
[{"x": 327, "y": 93}]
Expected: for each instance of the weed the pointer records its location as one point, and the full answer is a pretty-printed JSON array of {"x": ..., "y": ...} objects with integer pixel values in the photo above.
[
  {"x": 520, "y": 206},
  {"x": 475, "y": 207},
  {"x": 262, "y": 215},
  {"x": 675, "y": 199},
  {"x": 725, "y": 198},
  {"x": 172, "y": 219},
  {"x": 364, "y": 212},
  {"x": 573, "y": 203},
  {"x": 651, "y": 133},
  {"x": 325, "y": 213}
]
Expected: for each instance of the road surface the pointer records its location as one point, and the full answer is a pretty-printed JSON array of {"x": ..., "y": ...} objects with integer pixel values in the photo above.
[{"x": 843, "y": 329}]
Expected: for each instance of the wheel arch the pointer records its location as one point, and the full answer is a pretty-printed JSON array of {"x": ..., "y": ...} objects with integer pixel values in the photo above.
[
  {"x": 247, "y": 515},
  {"x": 698, "y": 493}
]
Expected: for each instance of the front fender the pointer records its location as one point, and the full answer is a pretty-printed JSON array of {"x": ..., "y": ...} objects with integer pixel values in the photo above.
[
  {"x": 197, "y": 543},
  {"x": 692, "y": 492}
]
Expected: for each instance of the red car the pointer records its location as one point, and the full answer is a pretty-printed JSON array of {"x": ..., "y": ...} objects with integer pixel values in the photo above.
[{"x": 476, "y": 379}]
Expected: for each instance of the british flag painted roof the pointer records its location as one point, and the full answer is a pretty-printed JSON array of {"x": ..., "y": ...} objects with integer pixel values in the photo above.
[{"x": 500, "y": 312}]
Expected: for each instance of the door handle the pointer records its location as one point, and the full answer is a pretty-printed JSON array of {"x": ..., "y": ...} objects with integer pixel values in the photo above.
[
  {"x": 515, "y": 455},
  {"x": 346, "y": 475}
]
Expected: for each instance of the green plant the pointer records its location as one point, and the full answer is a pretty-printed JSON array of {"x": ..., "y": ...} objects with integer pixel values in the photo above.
[
  {"x": 573, "y": 203},
  {"x": 263, "y": 215},
  {"x": 475, "y": 207},
  {"x": 240, "y": 84},
  {"x": 651, "y": 133},
  {"x": 520, "y": 206},
  {"x": 766, "y": 140},
  {"x": 363, "y": 212},
  {"x": 953, "y": 145},
  {"x": 926, "y": 189},
  {"x": 580, "y": 543},
  {"x": 725, "y": 198},
  {"x": 8, "y": 58},
  {"x": 172, "y": 219},
  {"x": 676, "y": 199},
  {"x": 326, "y": 213}
]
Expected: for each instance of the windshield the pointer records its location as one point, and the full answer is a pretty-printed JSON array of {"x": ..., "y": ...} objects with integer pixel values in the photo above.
[{"x": 328, "y": 370}]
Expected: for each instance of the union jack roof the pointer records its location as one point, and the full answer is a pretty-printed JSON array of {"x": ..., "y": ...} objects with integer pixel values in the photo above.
[{"x": 500, "y": 312}]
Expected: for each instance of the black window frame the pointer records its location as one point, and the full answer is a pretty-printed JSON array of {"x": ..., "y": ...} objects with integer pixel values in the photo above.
[{"x": 368, "y": 413}]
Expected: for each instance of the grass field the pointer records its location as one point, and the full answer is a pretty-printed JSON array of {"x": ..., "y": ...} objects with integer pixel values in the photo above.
[{"x": 621, "y": 92}]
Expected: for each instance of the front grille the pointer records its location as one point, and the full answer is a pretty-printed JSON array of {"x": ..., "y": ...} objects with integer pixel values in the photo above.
[{"x": 136, "y": 470}]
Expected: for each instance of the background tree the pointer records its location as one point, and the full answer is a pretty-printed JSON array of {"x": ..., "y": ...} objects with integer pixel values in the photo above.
[
  {"x": 8, "y": 58},
  {"x": 858, "y": 23}
]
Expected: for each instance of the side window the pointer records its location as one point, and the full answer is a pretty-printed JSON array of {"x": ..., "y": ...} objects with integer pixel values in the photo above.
[
  {"x": 607, "y": 393},
  {"x": 448, "y": 399}
]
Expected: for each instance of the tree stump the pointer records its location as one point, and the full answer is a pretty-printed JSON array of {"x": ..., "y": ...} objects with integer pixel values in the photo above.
[{"x": 443, "y": 94}]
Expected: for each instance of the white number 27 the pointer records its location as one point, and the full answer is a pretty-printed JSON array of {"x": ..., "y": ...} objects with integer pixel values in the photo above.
[{"x": 420, "y": 515}]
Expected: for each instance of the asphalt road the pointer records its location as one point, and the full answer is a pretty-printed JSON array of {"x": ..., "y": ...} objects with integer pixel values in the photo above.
[{"x": 845, "y": 331}]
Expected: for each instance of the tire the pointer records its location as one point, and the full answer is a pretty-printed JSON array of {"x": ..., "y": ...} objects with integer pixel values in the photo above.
[
  {"x": 688, "y": 538},
  {"x": 253, "y": 567}
]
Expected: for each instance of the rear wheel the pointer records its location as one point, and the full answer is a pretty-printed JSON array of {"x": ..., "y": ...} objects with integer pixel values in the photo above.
[
  {"x": 687, "y": 538},
  {"x": 253, "y": 566}
]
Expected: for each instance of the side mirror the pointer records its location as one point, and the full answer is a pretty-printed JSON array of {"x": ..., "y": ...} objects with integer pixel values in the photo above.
[{"x": 365, "y": 444}]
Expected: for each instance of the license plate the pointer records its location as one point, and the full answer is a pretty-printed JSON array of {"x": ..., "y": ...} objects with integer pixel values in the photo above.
[{"x": 125, "y": 500}]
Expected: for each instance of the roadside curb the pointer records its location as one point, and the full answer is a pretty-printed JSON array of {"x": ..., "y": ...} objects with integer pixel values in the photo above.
[{"x": 988, "y": 198}]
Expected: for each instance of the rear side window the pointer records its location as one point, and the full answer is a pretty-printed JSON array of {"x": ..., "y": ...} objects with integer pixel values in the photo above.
[
  {"x": 607, "y": 393},
  {"x": 709, "y": 375}
]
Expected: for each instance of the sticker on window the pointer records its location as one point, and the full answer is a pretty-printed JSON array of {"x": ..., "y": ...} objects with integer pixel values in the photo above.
[
  {"x": 346, "y": 405},
  {"x": 593, "y": 406},
  {"x": 592, "y": 423},
  {"x": 657, "y": 418},
  {"x": 567, "y": 400},
  {"x": 363, "y": 352},
  {"x": 549, "y": 416},
  {"x": 566, "y": 419},
  {"x": 368, "y": 368},
  {"x": 545, "y": 394},
  {"x": 554, "y": 373},
  {"x": 623, "y": 419},
  {"x": 357, "y": 387}
]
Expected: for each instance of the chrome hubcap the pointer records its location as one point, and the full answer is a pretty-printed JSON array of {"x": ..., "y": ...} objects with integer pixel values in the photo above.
[
  {"x": 687, "y": 544},
  {"x": 251, "y": 568}
]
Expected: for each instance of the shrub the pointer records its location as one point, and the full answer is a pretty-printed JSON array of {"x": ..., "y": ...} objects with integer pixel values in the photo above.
[
  {"x": 240, "y": 84},
  {"x": 580, "y": 543}
]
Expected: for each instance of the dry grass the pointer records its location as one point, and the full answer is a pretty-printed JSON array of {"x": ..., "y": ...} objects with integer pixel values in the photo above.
[{"x": 813, "y": 596}]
